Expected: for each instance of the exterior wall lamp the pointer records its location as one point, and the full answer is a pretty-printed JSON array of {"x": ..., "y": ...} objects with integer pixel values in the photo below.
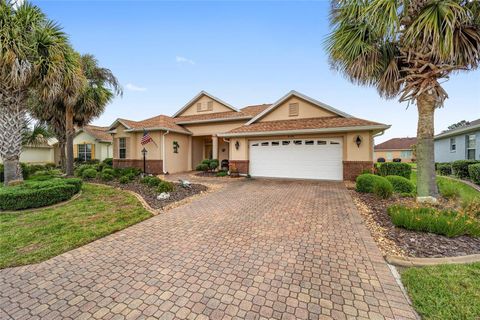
[
  {"x": 358, "y": 141},
  {"x": 237, "y": 145}
]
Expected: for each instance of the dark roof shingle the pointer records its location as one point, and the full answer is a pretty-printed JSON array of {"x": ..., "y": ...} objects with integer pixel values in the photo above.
[{"x": 397, "y": 144}]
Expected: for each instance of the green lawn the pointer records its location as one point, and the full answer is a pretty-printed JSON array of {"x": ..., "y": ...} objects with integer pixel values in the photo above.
[
  {"x": 445, "y": 292},
  {"x": 33, "y": 236},
  {"x": 466, "y": 192}
]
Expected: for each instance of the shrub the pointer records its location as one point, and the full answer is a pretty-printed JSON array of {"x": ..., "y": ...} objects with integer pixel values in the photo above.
[
  {"x": 34, "y": 194},
  {"x": 395, "y": 169},
  {"x": 444, "y": 222},
  {"x": 79, "y": 171},
  {"x": 383, "y": 189},
  {"x": 108, "y": 170},
  {"x": 45, "y": 175},
  {"x": 89, "y": 174},
  {"x": 365, "y": 182},
  {"x": 165, "y": 186},
  {"x": 105, "y": 176},
  {"x": 202, "y": 167},
  {"x": 151, "y": 181},
  {"x": 222, "y": 173},
  {"x": 124, "y": 180},
  {"x": 108, "y": 161},
  {"x": 445, "y": 169},
  {"x": 213, "y": 164},
  {"x": 119, "y": 172},
  {"x": 474, "y": 172},
  {"x": 400, "y": 184},
  {"x": 460, "y": 168}
]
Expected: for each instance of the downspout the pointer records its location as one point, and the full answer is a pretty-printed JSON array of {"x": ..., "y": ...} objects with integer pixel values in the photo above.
[
  {"x": 381, "y": 133},
  {"x": 164, "y": 160}
]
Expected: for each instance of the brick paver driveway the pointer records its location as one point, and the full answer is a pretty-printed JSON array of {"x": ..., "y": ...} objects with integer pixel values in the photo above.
[{"x": 253, "y": 250}]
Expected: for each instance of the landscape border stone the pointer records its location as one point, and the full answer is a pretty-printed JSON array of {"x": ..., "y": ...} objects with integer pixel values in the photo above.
[{"x": 423, "y": 262}]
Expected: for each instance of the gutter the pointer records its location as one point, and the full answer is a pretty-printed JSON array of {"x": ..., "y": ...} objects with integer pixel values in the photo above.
[
  {"x": 213, "y": 120},
  {"x": 158, "y": 129},
  {"x": 164, "y": 160},
  {"x": 456, "y": 132},
  {"x": 302, "y": 131}
]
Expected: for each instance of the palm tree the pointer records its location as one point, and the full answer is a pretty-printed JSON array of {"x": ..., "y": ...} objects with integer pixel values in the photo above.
[
  {"x": 37, "y": 135},
  {"x": 33, "y": 51},
  {"x": 405, "y": 49}
]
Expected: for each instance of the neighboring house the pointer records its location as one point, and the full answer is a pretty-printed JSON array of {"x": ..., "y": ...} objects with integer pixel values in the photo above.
[
  {"x": 90, "y": 142},
  {"x": 458, "y": 144},
  {"x": 37, "y": 154},
  {"x": 396, "y": 148},
  {"x": 295, "y": 137}
]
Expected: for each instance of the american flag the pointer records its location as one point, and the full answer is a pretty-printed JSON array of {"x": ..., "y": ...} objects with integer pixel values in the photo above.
[{"x": 146, "y": 137}]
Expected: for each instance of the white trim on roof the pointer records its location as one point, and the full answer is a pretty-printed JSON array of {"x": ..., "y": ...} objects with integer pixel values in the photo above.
[
  {"x": 213, "y": 120},
  {"x": 117, "y": 122},
  {"x": 159, "y": 129},
  {"x": 304, "y": 97},
  {"x": 302, "y": 131},
  {"x": 203, "y": 93},
  {"x": 457, "y": 131}
]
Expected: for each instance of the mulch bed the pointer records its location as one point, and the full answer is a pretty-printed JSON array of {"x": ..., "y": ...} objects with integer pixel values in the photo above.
[
  {"x": 150, "y": 195},
  {"x": 401, "y": 242}
]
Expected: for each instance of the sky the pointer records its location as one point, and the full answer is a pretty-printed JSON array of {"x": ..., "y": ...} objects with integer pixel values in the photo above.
[{"x": 243, "y": 52}]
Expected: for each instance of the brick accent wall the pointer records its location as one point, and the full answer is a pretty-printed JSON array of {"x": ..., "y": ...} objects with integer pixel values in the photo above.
[
  {"x": 352, "y": 169},
  {"x": 241, "y": 165},
  {"x": 153, "y": 166}
]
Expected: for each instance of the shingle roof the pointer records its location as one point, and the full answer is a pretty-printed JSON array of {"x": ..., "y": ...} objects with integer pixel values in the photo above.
[
  {"x": 305, "y": 124},
  {"x": 158, "y": 122},
  {"x": 473, "y": 125},
  {"x": 99, "y": 133},
  {"x": 397, "y": 144},
  {"x": 245, "y": 113}
]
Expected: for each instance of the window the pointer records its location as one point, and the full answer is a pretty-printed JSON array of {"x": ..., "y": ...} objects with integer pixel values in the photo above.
[
  {"x": 293, "y": 109},
  {"x": 471, "y": 142},
  {"x": 389, "y": 156},
  {"x": 84, "y": 152},
  {"x": 297, "y": 142},
  {"x": 321, "y": 142},
  {"x": 199, "y": 107},
  {"x": 309, "y": 142},
  {"x": 285, "y": 143},
  {"x": 122, "y": 148},
  {"x": 406, "y": 154},
  {"x": 255, "y": 145},
  {"x": 210, "y": 105},
  {"x": 453, "y": 145},
  {"x": 334, "y": 142},
  {"x": 264, "y": 144},
  {"x": 275, "y": 143}
]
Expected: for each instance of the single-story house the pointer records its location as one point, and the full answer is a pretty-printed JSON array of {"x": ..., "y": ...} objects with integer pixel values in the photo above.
[
  {"x": 461, "y": 143},
  {"x": 396, "y": 148},
  {"x": 90, "y": 142},
  {"x": 295, "y": 137}
]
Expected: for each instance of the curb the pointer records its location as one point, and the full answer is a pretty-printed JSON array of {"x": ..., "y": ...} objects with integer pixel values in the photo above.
[{"x": 422, "y": 262}]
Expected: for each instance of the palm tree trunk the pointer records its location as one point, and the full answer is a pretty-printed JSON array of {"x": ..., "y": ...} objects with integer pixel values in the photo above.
[
  {"x": 70, "y": 131},
  {"x": 63, "y": 159},
  {"x": 426, "y": 184}
]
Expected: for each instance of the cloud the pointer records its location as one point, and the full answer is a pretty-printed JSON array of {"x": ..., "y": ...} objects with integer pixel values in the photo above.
[
  {"x": 133, "y": 87},
  {"x": 180, "y": 59}
]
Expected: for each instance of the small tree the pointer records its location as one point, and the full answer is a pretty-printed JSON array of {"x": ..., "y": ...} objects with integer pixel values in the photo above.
[{"x": 404, "y": 49}]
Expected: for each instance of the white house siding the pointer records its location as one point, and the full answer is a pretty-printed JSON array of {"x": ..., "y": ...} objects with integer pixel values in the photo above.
[{"x": 442, "y": 148}]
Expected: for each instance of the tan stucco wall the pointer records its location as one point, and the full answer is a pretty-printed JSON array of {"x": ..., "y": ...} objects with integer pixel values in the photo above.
[
  {"x": 176, "y": 162},
  {"x": 38, "y": 155},
  {"x": 197, "y": 150},
  {"x": 212, "y": 128},
  {"x": 223, "y": 149},
  {"x": 305, "y": 110},
  {"x": 192, "y": 110},
  {"x": 134, "y": 147},
  {"x": 102, "y": 150},
  {"x": 394, "y": 154},
  {"x": 350, "y": 150}
]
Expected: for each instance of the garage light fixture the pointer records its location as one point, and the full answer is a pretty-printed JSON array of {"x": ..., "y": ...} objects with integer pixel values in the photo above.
[
  {"x": 358, "y": 141},
  {"x": 237, "y": 145}
]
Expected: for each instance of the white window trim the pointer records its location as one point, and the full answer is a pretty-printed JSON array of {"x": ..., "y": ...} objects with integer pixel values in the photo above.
[
  {"x": 453, "y": 144},
  {"x": 122, "y": 148}
]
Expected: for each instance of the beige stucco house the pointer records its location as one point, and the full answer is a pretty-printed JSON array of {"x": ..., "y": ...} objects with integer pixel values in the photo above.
[
  {"x": 396, "y": 148},
  {"x": 37, "y": 154},
  {"x": 295, "y": 137}
]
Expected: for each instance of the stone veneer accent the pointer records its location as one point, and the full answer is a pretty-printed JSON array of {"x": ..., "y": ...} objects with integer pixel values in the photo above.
[
  {"x": 241, "y": 165},
  {"x": 352, "y": 169},
  {"x": 153, "y": 166}
]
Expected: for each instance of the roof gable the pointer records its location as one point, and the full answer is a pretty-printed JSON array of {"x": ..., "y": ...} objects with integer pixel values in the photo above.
[
  {"x": 218, "y": 106},
  {"x": 327, "y": 110}
]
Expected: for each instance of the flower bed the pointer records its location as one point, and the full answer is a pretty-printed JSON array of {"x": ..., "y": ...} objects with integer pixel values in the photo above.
[{"x": 35, "y": 194}]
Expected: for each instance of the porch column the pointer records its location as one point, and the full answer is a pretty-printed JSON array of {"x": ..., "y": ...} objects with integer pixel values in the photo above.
[
  {"x": 190, "y": 152},
  {"x": 214, "y": 147}
]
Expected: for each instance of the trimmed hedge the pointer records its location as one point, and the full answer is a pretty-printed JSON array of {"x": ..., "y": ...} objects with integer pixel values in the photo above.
[
  {"x": 444, "y": 222},
  {"x": 460, "y": 168},
  {"x": 89, "y": 174},
  {"x": 395, "y": 169},
  {"x": 35, "y": 194},
  {"x": 474, "y": 172},
  {"x": 365, "y": 182},
  {"x": 383, "y": 189},
  {"x": 401, "y": 184},
  {"x": 151, "y": 181},
  {"x": 165, "y": 186},
  {"x": 445, "y": 169}
]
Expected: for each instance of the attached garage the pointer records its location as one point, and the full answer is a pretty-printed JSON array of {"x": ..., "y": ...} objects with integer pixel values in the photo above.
[{"x": 297, "y": 158}]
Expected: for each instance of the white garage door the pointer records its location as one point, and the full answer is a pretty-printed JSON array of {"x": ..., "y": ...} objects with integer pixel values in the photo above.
[{"x": 297, "y": 158}]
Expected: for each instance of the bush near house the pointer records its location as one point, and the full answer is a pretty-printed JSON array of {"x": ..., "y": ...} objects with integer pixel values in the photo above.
[
  {"x": 474, "y": 173},
  {"x": 365, "y": 182},
  {"x": 444, "y": 169},
  {"x": 89, "y": 173},
  {"x": 449, "y": 223},
  {"x": 34, "y": 194},
  {"x": 165, "y": 186},
  {"x": 108, "y": 161},
  {"x": 395, "y": 169},
  {"x": 151, "y": 181},
  {"x": 401, "y": 184},
  {"x": 383, "y": 189},
  {"x": 460, "y": 168},
  {"x": 207, "y": 165}
]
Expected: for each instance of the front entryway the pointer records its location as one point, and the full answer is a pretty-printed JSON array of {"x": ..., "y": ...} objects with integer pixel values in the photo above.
[{"x": 297, "y": 158}]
